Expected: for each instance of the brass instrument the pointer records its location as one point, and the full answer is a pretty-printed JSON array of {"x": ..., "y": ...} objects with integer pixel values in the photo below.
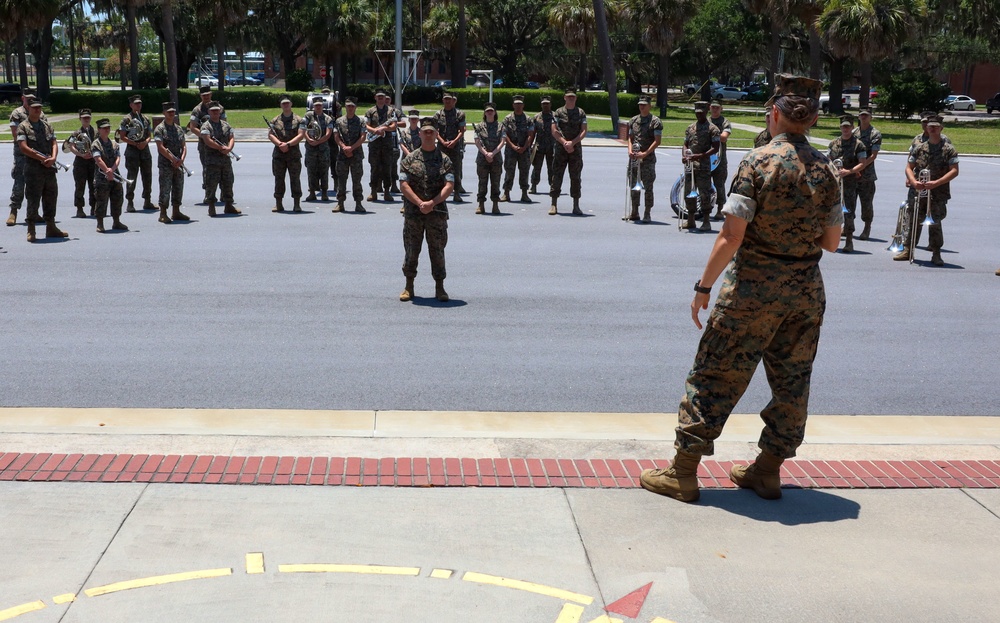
[
  {"x": 314, "y": 130},
  {"x": 134, "y": 129},
  {"x": 81, "y": 143},
  {"x": 371, "y": 137},
  {"x": 232, "y": 154},
  {"x": 896, "y": 244},
  {"x": 838, "y": 166},
  {"x": 920, "y": 195},
  {"x": 633, "y": 183},
  {"x": 56, "y": 162},
  {"x": 96, "y": 153}
]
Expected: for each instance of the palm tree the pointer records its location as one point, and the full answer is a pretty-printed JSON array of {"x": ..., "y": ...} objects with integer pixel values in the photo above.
[
  {"x": 777, "y": 20},
  {"x": 574, "y": 23},
  {"x": 867, "y": 30},
  {"x": 17, "y": 18},
  {"x": 661, "y": 24}
]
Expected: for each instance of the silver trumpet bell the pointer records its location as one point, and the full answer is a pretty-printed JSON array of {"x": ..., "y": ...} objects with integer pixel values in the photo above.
[
  {"x": 693, "y": 194},
  {"x": 925, "y": 176},
  {"x": 638, "y": 186}
]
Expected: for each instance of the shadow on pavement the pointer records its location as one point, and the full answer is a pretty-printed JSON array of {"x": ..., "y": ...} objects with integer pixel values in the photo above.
[
  {"x": 796, "y": 507},
  {"x": 429, "y": 301}
]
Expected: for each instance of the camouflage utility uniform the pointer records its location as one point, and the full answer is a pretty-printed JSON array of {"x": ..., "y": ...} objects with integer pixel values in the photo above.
[
  {"x": 721, "y": 172},
  {"x": 938, "y": 159},
  {"x": 569, "y": 123},
  {"x": 850, "y": 152},
  {"x": 699, "y": 138},
  {"x": 771, "y": 302},
  {"x": 318, "y": 156},
  {"x": 518, "y": 129},
  {"x": 219, "y": 166},
  {"x": 40, "y": 185},
  {"x": 762, "y": 139},
  {"x": 426, "y": 173},
  {"x": 396, "y": 151},
  {"x": 108, "y": 191},
  {"x": 138, "y": 162},
  {"x": 171, "y": 177},
  {"x": 872, "y": 140},
  {"x": 380, "y": 162},
  {"x": 350, "y": 131},
  {"x": 543, "y": 149},
  {"x": 17, "y": 115},
  {"x": 451, "y": 123},
  {"x": 84, "y": 170},
  {"x": 285, "y": 129},
  {"x": 644, "y": 131},
  {"x": 490, "y": 135},
  {"x": 199, "y": 115}
]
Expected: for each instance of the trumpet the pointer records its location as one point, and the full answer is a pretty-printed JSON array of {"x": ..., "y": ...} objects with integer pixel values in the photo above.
[
  {"x": 896, "y": 244},
  {"x": 838, "y": 166},
  {"x": 232, "y": 154},
  {"x": 118, "y": 177},
  {"x": 633, "y": 183},
  {"x": 371, "y": 137},
  {"x": 55, "y": 162},
  {"x": 925, "y": 196}
]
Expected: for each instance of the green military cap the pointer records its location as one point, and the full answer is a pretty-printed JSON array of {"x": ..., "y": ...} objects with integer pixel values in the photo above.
[
  {"x": 787, "y": 84},
  {"x": 518, "y": 99},
  {"x": 283, "y": 99},
  {"x": 448, "y": 95},
  {"x": 135, "y": 99},
  {"x": 490, "y": 106},
  {"x": 847, "y": 120},
  {"x": 413, "y": 114},
  {"x": 571, "y": 91},
  {"x": 203, "y": 89},
  {"x": 926, "y": 114},
  {"x": 168, "y": 106},
  {"x": 546, "y": 99},
  {"x": 701, "y": 106},
  {"x": 84, "y": 112},
  {"x": 28, "y": 91},
  {"x": 351, "y": 101},
  {"x": 865, "y": 111},
  {"x": 214, "y": 105},
  {"x": 935, "y": 120},
  {"x": 104, "y": 123},
  {"x": 427, "y": 122},
  {"x": 33, "y": 101},
  {"x": 643, "y": 99}
]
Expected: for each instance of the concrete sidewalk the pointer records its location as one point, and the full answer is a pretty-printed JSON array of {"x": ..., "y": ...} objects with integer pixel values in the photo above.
[{"x": 549, "y": 550}]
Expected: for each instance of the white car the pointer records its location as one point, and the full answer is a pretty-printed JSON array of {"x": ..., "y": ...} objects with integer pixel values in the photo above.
[
  {"x": 729, "y": 93},
  {"x": 824, "y": 102},
  {"x": 960, "y": 102},
  {"x": 207, "y": 80}
]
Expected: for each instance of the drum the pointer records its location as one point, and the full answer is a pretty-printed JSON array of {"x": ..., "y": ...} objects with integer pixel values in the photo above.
[{"x": 677, "y": 203}]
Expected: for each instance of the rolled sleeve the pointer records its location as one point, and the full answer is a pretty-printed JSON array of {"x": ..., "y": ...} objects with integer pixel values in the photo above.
[{"x": 741, "y": 206}]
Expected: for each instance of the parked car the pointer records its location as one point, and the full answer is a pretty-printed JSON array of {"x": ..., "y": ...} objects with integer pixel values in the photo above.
[
  {"x": 993, "y": 104},
  {"x": 205, "y": 79},
  {"x": 10, "y": 92},
  {"x": 872, "y": 93},
  {"x": 442, "y": 84},
  {"x": 692, "y": 88},
  {"x": 729, "y": 93},
  {"x": 824, "y": 102},
  {"x": 959, "y": 102},
  {"x": 239, "y": 80},
  {"x": 532, "y": 85}
]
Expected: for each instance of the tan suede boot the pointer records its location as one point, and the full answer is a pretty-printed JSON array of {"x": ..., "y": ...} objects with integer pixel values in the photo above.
[
  {"x": 496, "y": 208},
  {"x": 407, "y": 292},
  {"x": 763, "y": 476},
  {"x": 51, "y": 231},
  {"x": 552, "y": 210},
  {"x": 576, "y": 207},
  {"x": 481, "y": 208},
  {"x": 31, "y": 231},
  {"x": 866, "y": 232},
  {"x": 12, "y": 219},
  {"x": 679, "y": 481}
]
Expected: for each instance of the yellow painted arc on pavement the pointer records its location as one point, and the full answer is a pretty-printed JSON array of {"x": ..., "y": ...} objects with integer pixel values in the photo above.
[
  {"x": 157, "y": 580},
  {"x": 605, "y": 619},
  {"x": 441, "y": 574},
  {"x": 65, "y": 598},
  {"x": 362, "y": 569},
  {"x": 10, "y": 613},
  {"x": 570, "y": 613},
  {"x": 255, "y": 562},
  {"x": 531, "y": 587},
  {"x": 661, "y": 620}
]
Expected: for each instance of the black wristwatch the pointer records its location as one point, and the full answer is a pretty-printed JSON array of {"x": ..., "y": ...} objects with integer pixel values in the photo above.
[{"x": 701, "y": 290}]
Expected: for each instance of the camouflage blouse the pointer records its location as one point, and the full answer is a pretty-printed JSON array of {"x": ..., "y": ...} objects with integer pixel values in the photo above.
[
  {"x": 789, "y": 195},
  {"x": 171, "y": 137},
  {"x": 872, "y": 140},
  {"x": 724, "y": 125},
  {"x": 38, "y": 136},
  {"x": 325, "y": 121},
  {"x": 220, "y": 131},
  {"x": 938, "y": 159},
  {"x": 450, "y": 124},
  {"x": 517, "y": 128},
  {"x": 543, "y": 130},
  {"x": 108, "y": 152},
  {"x": 491, "y": 136},
  {"x": 569, "y": 122},
  {"x": 350, "y": 130},
  {"x": 850, "y": 152},
  {"x": 645, "y": 130},
  {"x": 129, "y": 119},
  {"x": 699, "y": 138},
  {"x": 426, "y": 172},
  {"x": 287, "y": 128}
]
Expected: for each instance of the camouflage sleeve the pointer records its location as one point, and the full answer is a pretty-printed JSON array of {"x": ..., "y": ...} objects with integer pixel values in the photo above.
[
  {"x": 742, "y": 199},
  {"x": 22, "y": 132},
  {"x": 583, "y": 117},
  {"x": 951, "y": 154},
  {"x": 206, "y": 129},
  {"x": 876, "y": 141},
  {"x": 460, "y": 119},
  {"x": 835, "y": 210},
  {"x": 301, "y": 125},
  {"x": 447, "y": 169},
  {"x": 727, "y": 127},
  {"x": 656, "y": 126},
  {"x": 404, "y": 168},
  {"x": 716, "y": 135}
]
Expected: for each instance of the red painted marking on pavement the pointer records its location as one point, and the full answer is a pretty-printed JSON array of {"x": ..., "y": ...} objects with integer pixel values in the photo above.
[{"x": 631, "y": 604}]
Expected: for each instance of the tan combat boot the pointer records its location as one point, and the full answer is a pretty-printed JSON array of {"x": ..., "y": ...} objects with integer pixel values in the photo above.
[
  {"x": 634, "y": 214},
  {"x": 386, "y": 197},
  {"x": 231, "y": 209},
  {"x": 278, "y": 206},
  {"x": 325, "y": 196},
  {"x": 524, "y": 197},
  {"x": 163, "y": 215},
  {"x": 534, "y": 189},
  {"x": 679, "y": 481},
  {"x": 505, "y": 197},
  {"x": 481, "y": 208},
  {"x": 763, "y": 476},
  {"x": 552, "y": 210},
  {"x": 339, "y": 207},
  {"x": 12, "y": 219},
  {"x": 31, "y": 231},
  {"x": 80, "y": 213},
  {"x": 902, "y": 256},
  {"x": 360, "y": 209},
  {"x": 848, "y": 243},
  {"x": 576, "y": 207},
  {"x": 311, "y": 196},
  {"x": 211, "y": 209},
  {"x": 51, "y": 231},
  {"x": 407, "y": 292},
  {"x": 439, "y": 292},
  {"x": 100, "y": 225},
  {"x": 496, "y": 208},
  {"x": 117, "y": 225},
  {"x": 936, "y": 259},
  {"x": 706, "y": 223},
  {"x": 177, "y": 215},
  {"x": 646, "y": 218}
]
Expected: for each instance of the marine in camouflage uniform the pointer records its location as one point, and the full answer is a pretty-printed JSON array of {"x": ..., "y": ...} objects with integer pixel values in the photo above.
[
  {"x": 519, "y": 133},
  {"x": 427, "y": 176},
  {"x": 721, "y": 172},
  {"x": 409, "y": 138},
  {"x": 219, "y": 140},
  {"x": 83, "y": 164},
  {"x": 199, "y": 115},
  {"x": 703, "y": 139},
  {"x": 108, "y": 190},
  {"x": 37, "y": 141},
  {"x": 785, "y": 202},
  {"x": 644, "y": 134},
  {"x": 917, "y": 140},
  {"x": 171, "y": 150},
  {"x": 288, "y": 130},
  {"x": 380, "y": 120},
  {"x": 849, "y": 149},
  {"x": 490, "y": 135},
  {"x": 18, "y": 115},
  {"x": 451, "y": 137},
  {"x": 349, "y": 133},
  {"x": 138, "y": 159},
  {"x": 543, "y": 146},
  {"x": 318, "y": 150},
  {"x": 940, "y": 158},
  {"x": 569, "y": 127},
  {"x": 396, "y": 151},
  {"x": 872, "y": 140}
]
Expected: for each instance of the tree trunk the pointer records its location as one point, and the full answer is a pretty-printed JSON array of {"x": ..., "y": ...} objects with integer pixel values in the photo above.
[
  {"x": 220, "y": 51},
  {"x": 133, "y": 45},
  {"x": 866, "y": 85},
  {"x": 42, "y": 57},
  {"x": 775, "y": 52},
  {"x": 815, "y": 51},
  {"x": 581, "y": 74},
  {"x": 121, "y": 65},
  {"x": 22, "y": 60},
  {"x": 463, "y": 46},
  {"x": 340, "y": 77},
  {"x": 72, "y": 49},
  {"x": 662, "y": 81},
  {"x": 837, "y": 86},
  {"x": 170, "y": 45}
]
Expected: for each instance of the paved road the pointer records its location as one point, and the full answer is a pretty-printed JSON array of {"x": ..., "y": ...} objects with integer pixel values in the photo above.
[{"x": 548, "y": 313}]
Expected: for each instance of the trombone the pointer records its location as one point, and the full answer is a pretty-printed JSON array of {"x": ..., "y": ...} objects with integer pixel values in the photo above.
[
  {"x": 55, "y": 161},
  {"x": 682, "y": 206},
  {"x": 95, "y": 151},
  {"x": 633, "y": 182},
  {"x": 232, "y": 154},
  {"x": 838, "y": 166},
  {"x": 896, "y": 244},
  {"x": 925, "y": 195}
]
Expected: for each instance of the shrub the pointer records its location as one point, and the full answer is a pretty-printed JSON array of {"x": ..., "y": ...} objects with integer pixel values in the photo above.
[
  {"x": 68, "y": 101},
  {"x": 593, "y": 102},
  {"x": 152, "y": 79},
  {"x": 911, "y": 91},
  {"x": 299, "y": 80}
]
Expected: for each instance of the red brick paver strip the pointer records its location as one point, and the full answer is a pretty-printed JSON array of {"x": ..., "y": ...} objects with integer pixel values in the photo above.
[{"x": 471, "y": 472}]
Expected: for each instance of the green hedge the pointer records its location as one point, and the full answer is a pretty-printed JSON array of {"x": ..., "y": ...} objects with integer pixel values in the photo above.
[
  {"x": 412, "y": 94},
  {"x": 593, "y": 102},
  {"x": 68, "y": 101}
]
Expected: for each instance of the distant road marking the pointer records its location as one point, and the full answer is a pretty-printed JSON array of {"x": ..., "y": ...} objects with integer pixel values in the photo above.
[
  {"x": 362, "y": 569},
  {"x": 10, "y": 613},
  {"x": 64, "y": 599},
  {"x": 661, "y": 620},
  {"x": 255, "y": 562},
  {"x": 531, "y": 587},
  {"x": 442, "y": 574},
  {"x": 992, "y": 164},
  {"x": 157, "y": 580},
  {"x": 570, "y": 613}
]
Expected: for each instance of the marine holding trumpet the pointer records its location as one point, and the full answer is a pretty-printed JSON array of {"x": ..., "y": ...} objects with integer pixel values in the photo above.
[
  {"x": 939, "y": 159},
  {"x": 79, "y": 144},
  {"x": 135, "y": 131},
  {"x": 217, "y": 135},
  {"x": 849, "y": 155},
  {"x": 171, "y": 150},
  {"x": 702, "y": 140},
  {"x": 644, "y": 134},
  {"x": 37, "y": 141},
  {"x": 107, "y": 179},
  {"x": 319, "y": 129}
]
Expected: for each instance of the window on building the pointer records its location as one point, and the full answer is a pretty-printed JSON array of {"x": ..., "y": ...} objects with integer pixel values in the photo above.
[
  {"x": 309, "y": 64},
  {"x": 274, "y": 64}
]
